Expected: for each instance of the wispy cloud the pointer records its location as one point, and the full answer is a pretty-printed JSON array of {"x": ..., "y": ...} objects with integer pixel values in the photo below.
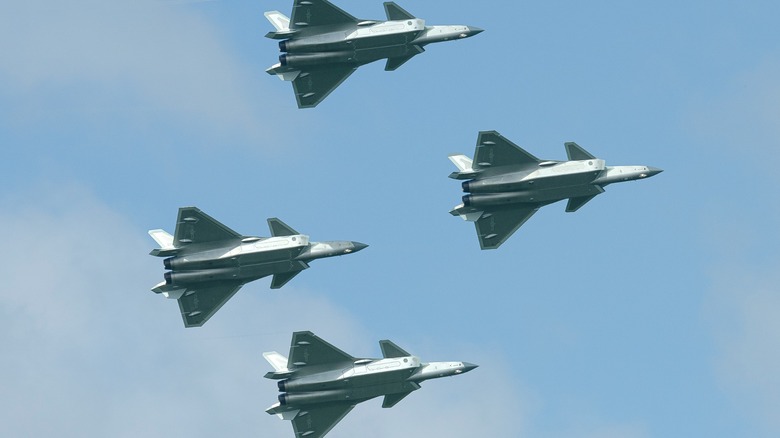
[
  {"x": 143, "y": 59},
  {"x": 90, "y": 350}
]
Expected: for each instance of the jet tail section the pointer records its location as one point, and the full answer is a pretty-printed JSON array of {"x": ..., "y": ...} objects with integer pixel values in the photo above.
[
  {"x": 389, "y": 349},
  {"x": 575, "y": 152},
  {"x": 464, "y": 165},
  {"x": 283, "y": 412},
  {"x": 171, "y": 291},
  {"x": 279, "y": 362},
  {"x": 281, "y": 279},
  {"x": 282, "y": 24},
  {"x": 575, "y": 204},
  {"x": 395, "y": 12},
  {"x": 393, "y": 399},
  {"x": 466, "y": 213},
  {"x": 279, "y": 228},
  {"x": 165, "y": 240},
  {"x": 392, "y": 64},
  {"x": 284, "y": 73}
]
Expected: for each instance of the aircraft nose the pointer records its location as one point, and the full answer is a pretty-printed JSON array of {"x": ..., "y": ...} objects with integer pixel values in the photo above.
[
  {"x": 357, "y": 246},
  {"x": 468, "y": 367},
  {"x": 653, "y": 171},
  {"x": 474, "y": 30}
]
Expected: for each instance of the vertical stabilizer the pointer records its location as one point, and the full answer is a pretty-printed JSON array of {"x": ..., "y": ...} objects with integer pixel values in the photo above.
[
  {"x": 163, "y": 238},
  {"x": 462, "y": 162},
  {"x": 395, "y": 12},
  {"x": 389, "y": 349},
  {"x": 276, "y": 360},
  {"x": 575, "y": 152},
  {"x": 165, "y": 241},
  {"x": 279, "y": 228},
  {"x": 280, "y": 21}
]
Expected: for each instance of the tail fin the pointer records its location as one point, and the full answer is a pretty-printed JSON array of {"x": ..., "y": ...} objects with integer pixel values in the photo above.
[
  {"x": 163, "y": 238},
  {"x": 279, "y": 363},
  {"x": 282, "y": 24},
  {"x": 276, "y": 360},
  {"x": 280, "y": 21},
  {"x": 389, "y": 349},
  {"x": 464, "y": 165},
  {"x": 462, "y": 162},
  {"x": 279, "y": 228},
  {"x": 575, "y": 152},
  {"x": 395, "y": 12},
  {"x": 165, "y": 241}
]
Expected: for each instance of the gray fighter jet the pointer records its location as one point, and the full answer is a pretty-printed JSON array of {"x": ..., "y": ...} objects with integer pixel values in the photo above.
[
  {"x": 208, "y": 262},
  {"x": 320, "y": 384},
  {"x": 507, "y": 185},
  {"x": 323, "y": 45}
]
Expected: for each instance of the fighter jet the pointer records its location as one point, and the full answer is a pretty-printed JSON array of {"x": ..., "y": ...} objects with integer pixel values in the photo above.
[
  {"x": 208, "y": 262},
  {"x": 320, "y": 384},
  {"x": 506, "y": 185},
  {"x": 322, "y": 45}
]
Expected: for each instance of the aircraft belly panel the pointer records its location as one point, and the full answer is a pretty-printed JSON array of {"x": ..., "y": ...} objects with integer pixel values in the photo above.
[
  {"x": 526, "y": 182},
  {"x": 270, "y": 256},
  {"x": 378, "y": 41},
  {"x": 265, "y": 269},
  {"x": 366, "y": 392},
  {"x": 558, "y": 193}
]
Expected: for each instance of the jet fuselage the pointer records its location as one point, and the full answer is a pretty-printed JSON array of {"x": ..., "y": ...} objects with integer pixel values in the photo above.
[
  {"x": 323, "y": 45},
  {"x": 248, "y": 259},
  {"x": 505, "y": 184},
  {"x": 364, "y": 379},
  {"x": 320, "y": 384},
  {"x": 364, "y": 43},
  {"x": 540, "y": 185}
]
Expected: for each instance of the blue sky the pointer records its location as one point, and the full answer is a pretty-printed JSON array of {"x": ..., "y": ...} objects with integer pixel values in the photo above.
[{"x": 651, "y": 312}]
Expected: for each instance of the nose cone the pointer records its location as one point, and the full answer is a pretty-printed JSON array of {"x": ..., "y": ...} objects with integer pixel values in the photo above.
[
  {"x": 357, "y": 246},
  {"x": 653, "y": 171},
  {"x": 468, "y": 367},
  {"x": 474, "y": 30}
]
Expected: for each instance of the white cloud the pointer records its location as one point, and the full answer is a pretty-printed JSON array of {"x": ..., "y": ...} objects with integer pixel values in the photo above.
[
  {"x": 88, "y": 349},
  {"x": 144, "y": 58}
]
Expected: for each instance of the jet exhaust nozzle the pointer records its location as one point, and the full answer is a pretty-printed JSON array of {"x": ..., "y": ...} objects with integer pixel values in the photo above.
[
  {"x": 200, "y": 276},
  {"x": 306, "y": 59},
  {"x": 282, "y": 385},
  {"x": 302, "y": 398},
  {"x": 466, "y": 186},
  {"x": 494, "y": 199},
  {"x": 167, "y": 263},
  {"x": 283, "y": 46}
]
